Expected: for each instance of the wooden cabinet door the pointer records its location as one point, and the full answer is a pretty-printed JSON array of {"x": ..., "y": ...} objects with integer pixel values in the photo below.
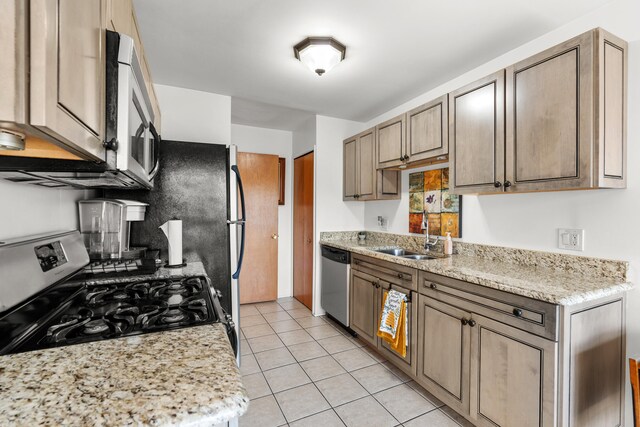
[
  {"x": 391, "y": 142},
  {"x": 120, "y": 16},
  {"x": 350, "y": 169},
  {"x": 409, "y": 363},
  {"x": 67, "y": 73},
  {"x": 512, "y": 376},
  {"x": 366, "y": 178},
  {"x": 550, "y": 118},
  {"x": 443, "y": 352},
  {"x": 476, "y": 136},
  {"x": 427, "y": 130},
  {"x": 363, "y": 306}
]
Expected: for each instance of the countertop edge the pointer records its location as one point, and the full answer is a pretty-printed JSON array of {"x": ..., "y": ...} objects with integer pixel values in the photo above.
[{"x": 574, "y": 299}]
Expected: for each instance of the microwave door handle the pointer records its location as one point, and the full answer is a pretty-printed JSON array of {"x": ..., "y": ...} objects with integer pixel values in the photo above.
[
  {"x": 156, "y": 151},
  {"x": 241, "y": 221}
]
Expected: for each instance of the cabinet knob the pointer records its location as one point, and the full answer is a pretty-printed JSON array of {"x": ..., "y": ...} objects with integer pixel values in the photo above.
[
  {"x": 472, "y": 323},
  {"x": 378, "y": 285},
  {"x": 433, "y": 286},
  {"x": 464, "y": 321},
  {"x": 406, "y": 157},
  {"x": 112, "y": 144},
  {"x": 400, "y": 276},
  {"x": 507, "y": 184},
  {"x": 517, "y": 312},
  {"x": 497, "y": 184}
]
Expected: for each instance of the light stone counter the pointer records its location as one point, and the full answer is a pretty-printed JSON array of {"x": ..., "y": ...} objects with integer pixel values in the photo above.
[
  {"x": 555, "y": 278},
  {"x": 180, "y": 377}
]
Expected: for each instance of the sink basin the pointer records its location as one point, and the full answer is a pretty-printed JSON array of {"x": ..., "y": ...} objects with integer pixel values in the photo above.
[
  {"x": 419, "y": 257},
  {"x": 396, "y": 252}
]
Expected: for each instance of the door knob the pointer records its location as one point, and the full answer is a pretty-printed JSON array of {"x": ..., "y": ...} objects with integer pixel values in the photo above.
[
  {"x": 274, "y": 236},
  {"x": 308, "y": 240}
]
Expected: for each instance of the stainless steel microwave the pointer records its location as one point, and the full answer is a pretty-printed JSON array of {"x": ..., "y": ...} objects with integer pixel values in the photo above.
[
  {"x": 131, "y": 140},
  {"x": 130, "y": 131}
]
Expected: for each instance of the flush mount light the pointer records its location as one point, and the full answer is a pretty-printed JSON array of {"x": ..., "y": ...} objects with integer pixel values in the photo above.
[
  {"x": 11, "y": 140},
  {"x": 320, "y": 54}
]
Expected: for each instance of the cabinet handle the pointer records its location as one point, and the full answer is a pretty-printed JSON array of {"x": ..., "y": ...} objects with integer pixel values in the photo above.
[
  {"x": 472, "y": 323},
  {"x": 507, "y": 184},
  {"x": 517, "y": 312},
  {"x": 464, "y": 321},
  {"x": 497, "y": 184},
  {"x": 433, "y": 286}
]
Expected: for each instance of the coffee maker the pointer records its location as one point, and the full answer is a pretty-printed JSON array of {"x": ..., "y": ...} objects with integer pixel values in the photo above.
[{"x": 105, "y": 225}]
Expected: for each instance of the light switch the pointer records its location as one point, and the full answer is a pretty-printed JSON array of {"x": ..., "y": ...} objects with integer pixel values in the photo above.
[{"x": 571, "y": 238}]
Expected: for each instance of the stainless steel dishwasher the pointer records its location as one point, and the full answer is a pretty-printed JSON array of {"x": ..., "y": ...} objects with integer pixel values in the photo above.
[{"x": 334, "y": 297}]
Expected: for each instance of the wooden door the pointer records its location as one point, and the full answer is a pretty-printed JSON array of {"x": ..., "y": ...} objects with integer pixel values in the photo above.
[
  {"x": 476, "y": 136},
  {"x": 443, "y": 352},
  {"x": 512, "y": 376},
  {"x": 390, "y": 142},
  {"x": 303, "y": 235},
  {"x": 550, "y": 118},
  {"x": 350, "y": 169},
  {"x": 259, "y": 281},
  {"x": 363, "y": 306},
  {"x": 427, "y": 130},
  {"x": 67, "y": 72},
  {"x": 409, "y": 363},
  {"x": 366, "y": 165}
]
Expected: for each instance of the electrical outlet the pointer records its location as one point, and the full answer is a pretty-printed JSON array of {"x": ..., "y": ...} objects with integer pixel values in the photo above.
[
  {"x": 571, "y": 238},
  {"x": 382, "y": 222}
]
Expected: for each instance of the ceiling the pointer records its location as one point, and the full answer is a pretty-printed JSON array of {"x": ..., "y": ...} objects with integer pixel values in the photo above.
[{"x": 396, "y": 50}]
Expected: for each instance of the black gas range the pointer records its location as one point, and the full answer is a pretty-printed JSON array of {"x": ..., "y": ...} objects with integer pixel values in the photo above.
[{"x": 74, "y": 311}]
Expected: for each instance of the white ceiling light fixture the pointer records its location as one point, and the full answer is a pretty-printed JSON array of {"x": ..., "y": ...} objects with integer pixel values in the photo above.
[{"x": 320, "y": 54}]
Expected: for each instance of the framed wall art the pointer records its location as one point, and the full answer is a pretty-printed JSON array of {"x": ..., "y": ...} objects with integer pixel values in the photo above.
[{"x": 429, "y": 195}]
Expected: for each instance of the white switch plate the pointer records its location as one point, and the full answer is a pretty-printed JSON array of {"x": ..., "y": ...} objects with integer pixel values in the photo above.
[{"x": 571, "y": 238}]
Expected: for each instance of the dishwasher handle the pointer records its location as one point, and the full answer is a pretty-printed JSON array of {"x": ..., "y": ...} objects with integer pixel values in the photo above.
[{"x": 337, "y": 255}]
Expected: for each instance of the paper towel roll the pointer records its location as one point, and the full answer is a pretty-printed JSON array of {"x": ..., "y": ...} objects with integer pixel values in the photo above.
[{"x": 173, "y": 230}]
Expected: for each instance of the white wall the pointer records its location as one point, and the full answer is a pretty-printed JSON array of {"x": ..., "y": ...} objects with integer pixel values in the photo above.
[
  {"x": 304, "y": 138},
  {"x": 27, "y": 209},
  {"x": 331, "y": 213},
  {"x": 268, "y": 141},
  {"x": 531, "y": 220},
  {"x": 194, "y": 116}
]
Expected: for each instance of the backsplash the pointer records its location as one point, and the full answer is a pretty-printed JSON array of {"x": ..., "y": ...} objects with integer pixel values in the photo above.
[{"x": 612, "y": 269}]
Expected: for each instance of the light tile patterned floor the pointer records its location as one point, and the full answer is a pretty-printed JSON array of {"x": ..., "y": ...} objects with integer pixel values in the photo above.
[{"x": 301, "y": 370}]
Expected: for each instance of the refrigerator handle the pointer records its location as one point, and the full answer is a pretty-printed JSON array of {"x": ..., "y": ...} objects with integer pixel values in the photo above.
[{"x": 241, "y": 221}]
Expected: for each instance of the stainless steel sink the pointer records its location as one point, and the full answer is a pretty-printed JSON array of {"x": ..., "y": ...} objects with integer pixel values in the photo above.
[
  {"x": 419, "y": 257},
  {"x": 396, "y": 252}
]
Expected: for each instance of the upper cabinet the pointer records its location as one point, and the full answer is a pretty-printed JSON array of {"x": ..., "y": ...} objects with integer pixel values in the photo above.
[
  {"x": 361, "y": 180},
  {"x": 427, "y": 131},
  {"x": 566, "y": 116},
  {"x": 391, "y": 142},
  {"x": 565, "y": 122},
  {"x": 67, "y": 73},
  {"x": 52, "y": 76},
  {"x": 476, "y": 135}
]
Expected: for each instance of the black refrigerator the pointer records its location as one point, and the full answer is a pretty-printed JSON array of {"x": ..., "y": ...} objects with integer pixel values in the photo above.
[{"x": 199, "y": 184}]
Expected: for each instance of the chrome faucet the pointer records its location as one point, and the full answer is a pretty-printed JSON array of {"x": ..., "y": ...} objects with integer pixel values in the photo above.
[{"x": 428, "y": 242}]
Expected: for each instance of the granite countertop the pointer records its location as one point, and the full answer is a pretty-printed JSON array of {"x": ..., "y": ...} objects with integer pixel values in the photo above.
[
  {"x": 540, "y": 283},
  {"x": 141, "y": 380}
]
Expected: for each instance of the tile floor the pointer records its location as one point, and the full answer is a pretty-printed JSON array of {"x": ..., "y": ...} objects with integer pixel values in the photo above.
[{"x": 301, "y": 370}]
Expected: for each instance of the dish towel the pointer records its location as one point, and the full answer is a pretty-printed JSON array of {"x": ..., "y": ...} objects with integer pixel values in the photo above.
[{"x": 393, "y": 321}]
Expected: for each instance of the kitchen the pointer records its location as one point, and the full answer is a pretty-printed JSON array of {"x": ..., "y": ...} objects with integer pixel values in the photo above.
[{"x": 249, "y": 90}]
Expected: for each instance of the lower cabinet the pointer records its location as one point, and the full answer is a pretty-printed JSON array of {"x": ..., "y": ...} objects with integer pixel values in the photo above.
[
  {"x": 496, "y": 358},
  {"x": 364, "y": 306},
  {"x": 444, "y": 343},
  {"x": 512, "y": 376}
]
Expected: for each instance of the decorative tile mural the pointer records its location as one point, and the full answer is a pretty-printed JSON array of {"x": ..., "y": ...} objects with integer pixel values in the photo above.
[{"x": 429, "y": 192}]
